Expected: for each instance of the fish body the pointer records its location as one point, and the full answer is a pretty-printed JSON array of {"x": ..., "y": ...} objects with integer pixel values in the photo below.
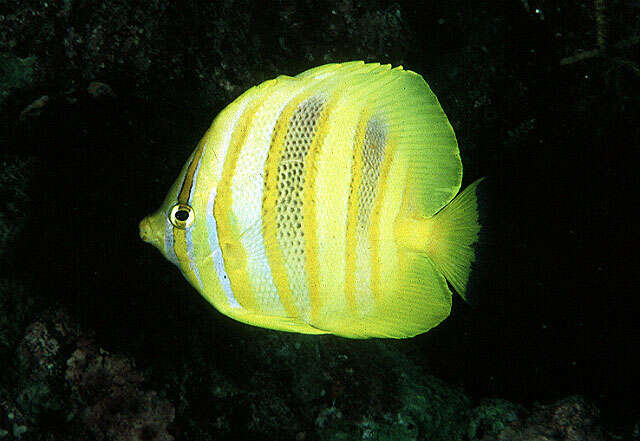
[{"x": 324, "y": 203}]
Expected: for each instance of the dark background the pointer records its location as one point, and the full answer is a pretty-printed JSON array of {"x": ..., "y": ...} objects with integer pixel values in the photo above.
[{"x": 557, "y": 303}]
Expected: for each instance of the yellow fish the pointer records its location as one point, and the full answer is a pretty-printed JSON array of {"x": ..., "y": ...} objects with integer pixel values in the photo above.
[{"x": 324, "y": 203}]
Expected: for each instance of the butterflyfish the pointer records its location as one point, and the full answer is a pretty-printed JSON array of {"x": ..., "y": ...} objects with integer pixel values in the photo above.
[{"x": 325, "y": 203}]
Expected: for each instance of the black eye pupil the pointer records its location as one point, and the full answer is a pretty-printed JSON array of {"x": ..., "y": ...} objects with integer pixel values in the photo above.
[{"x": 182, "y": 215}]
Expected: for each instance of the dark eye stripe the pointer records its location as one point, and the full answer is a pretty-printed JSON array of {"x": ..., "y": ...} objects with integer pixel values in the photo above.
[{"x": 186, "y": 191}]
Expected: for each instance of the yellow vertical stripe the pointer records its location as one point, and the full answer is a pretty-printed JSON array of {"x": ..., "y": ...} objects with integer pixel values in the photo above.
[
  {"x": 180, "y": 248},
  {"x": 352, "y": 214},
  {"x": 374, "y": 230},
  {"x": 311, "y": 249},
  {"x": 233, "y": 253},
  {"x": 269, "y": 209}
]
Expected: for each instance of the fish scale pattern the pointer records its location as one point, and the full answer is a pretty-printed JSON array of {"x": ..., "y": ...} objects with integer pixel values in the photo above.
[
  {"x": 291, "y": 180},
  {"x": 373, "y": 151},
  {"x": 372, "y": 156}
]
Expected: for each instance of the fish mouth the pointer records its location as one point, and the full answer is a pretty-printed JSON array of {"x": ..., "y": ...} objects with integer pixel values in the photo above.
[{"x": 147, "y": 232}]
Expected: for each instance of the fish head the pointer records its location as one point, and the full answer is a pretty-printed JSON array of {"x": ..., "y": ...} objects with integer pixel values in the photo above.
[
  {"x": 175, "y": 229},
  {"x": 169, "y": 230},
  {"x": 166, "y": 226}
]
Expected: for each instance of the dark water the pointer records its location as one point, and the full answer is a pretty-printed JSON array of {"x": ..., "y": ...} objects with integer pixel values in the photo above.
[{"x": 558, "y": 305}]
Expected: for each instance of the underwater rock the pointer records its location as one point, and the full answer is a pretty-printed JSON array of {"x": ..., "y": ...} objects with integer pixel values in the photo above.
[
  {"x": 39, "y": 349},
  {"x": 61, "y": 374},
  {"x": 35, "y": 108},
  {"x": 15, "y": 178},
  {"x": 491, "y": 416},
  {"x": 116, "y": 407},
  {"x": 329, "y": 388},
  {"x": 15, "y": 73},
  {"x": 98, "y": 89},
  {"x": 571, "y": 419}
]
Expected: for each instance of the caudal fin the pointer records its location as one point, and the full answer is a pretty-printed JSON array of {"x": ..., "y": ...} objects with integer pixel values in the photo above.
[{"x": 455, "y": 237}]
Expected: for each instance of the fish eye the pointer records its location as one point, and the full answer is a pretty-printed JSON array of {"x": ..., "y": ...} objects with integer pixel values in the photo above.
[{"x": 181, "y": 216}]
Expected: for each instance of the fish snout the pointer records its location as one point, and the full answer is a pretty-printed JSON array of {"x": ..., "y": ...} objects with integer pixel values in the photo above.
[{"x": 146, "y": 230}]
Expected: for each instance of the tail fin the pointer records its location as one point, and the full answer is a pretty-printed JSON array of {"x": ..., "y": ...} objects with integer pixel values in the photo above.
[{"x": 455, "y": 236}]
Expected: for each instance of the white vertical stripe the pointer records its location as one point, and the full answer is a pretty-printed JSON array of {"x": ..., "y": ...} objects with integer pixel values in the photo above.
[
  {"x": 216, "y": 252},
  {"x": 168, "y": 244},
  {"x": 191, "y": 256}
]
